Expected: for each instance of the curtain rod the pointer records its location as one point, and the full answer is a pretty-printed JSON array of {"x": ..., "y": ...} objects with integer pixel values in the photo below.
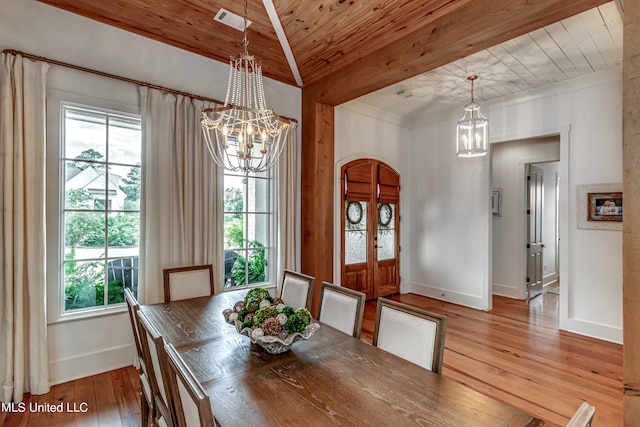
[{"x": 116, "y": 77}]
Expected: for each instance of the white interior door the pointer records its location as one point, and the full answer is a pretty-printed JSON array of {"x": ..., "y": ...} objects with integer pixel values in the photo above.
[{"x": 535, "y": 205}]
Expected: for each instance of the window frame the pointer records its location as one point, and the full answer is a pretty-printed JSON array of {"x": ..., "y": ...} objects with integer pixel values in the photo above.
[
  {"x": 55, "y": 194},
  {"x": 270, "y": 255}
]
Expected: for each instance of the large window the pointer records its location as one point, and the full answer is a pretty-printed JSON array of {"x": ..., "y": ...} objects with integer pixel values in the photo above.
[
  {"x": 247, "y": 229},
  {"x": 100, "y": 221}
]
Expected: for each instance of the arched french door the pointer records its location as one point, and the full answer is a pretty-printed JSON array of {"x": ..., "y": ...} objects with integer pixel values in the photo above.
[{"x": 370, "y": 254}]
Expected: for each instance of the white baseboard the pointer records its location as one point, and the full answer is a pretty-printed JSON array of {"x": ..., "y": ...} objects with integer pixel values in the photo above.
[
  {"x": 550, "y": 279},
  {"x": 595, "y": 330},
  {"x": 507, "y": 291},
  {"x": 447, "y": 295},
  {"x": 85, "y": 365}
]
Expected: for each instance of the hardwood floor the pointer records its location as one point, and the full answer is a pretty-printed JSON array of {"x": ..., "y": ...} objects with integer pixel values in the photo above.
[
  {"x": 514, "y": 353},
  {"x": 109, "y": 399}
]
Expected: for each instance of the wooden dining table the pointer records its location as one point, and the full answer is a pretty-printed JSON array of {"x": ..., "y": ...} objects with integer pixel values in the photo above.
[{"x": 330, "y": 379}]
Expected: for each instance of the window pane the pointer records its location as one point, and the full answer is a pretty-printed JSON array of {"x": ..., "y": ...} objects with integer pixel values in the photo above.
[
  {"x": 234, "y": 193},
  {"x": 258, "y": 191},
  {"x": 127, "y": 188},
  {"x": 355, "y": 232},
  {"x": 122, "y": 272},
  {"x": 386, "y": 231},
  {"x": 239, "y": 269},
  {"x": 124, "y": 140},
  {"x": 85, "y": 185},
  {"x": 84, "y": 230},
  {"x": 85, "y": 135},
  {"x": 230, "y": 260},
  {"x": 233, "y": 231},
  {"x": 258, "y": 229},
  {"x": 256, "y": 266},
  {"x": 124, "y": 233},
  {"x": 83, "y": 284}
]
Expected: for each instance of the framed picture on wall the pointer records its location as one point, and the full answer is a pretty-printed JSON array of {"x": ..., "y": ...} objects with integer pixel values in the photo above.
[{"x": 600, "y": 206}]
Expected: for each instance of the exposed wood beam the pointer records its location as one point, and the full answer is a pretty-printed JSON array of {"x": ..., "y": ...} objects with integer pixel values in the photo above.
[
  {"x": 317, "y": 191},
  {"x": 479, "y": 25},
  {"x": 631, "y": 224},
  {"x": 282, "y": 37}
]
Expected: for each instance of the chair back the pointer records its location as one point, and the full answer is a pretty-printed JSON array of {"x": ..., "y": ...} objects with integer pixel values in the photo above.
[
  {"x": 188, "y": 282},
  {"x": 191, "y": 403},
  {"x": 297, "y": 289},
  {"x": 583, "y": 416},
  {"x": 133, "y": 307},
  {"x": 155, "y": 361},
  {"x": 414, "y": 334},
  {"x": 146, "y": 399},
  {"x": 342, "y": 308}
]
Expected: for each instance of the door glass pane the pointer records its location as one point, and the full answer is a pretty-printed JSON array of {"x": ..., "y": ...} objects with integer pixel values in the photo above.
[
  {"x": 386, "y": 231},
  {"x": 355, "y": 233}
]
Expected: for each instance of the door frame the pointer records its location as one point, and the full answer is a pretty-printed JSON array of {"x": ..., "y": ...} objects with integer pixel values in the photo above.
[
  {"x": 564, "y": 131},
  {"x": 337, "y": 212}
]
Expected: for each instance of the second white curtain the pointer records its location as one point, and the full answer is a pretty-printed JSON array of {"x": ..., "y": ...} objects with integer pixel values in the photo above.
[{"x": 181, "y": 196}]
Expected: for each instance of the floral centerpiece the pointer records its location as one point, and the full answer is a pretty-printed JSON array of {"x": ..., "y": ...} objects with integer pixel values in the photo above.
[{"x": 269, "y": 322}]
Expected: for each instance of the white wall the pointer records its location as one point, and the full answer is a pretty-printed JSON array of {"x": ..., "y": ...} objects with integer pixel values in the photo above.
[
  {"x": 449, "y": 199},
  {"x": 447, "y": 225},
  {"x": 509, "y": 161},
  {"x": 83, "y": 347}
]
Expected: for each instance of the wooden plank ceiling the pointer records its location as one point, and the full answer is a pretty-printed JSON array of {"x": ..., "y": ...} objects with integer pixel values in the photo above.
[
  {"x": 577, "y": 46},
  {"x": 324, "y": 35},
  {"x": 327, "y": 37}
]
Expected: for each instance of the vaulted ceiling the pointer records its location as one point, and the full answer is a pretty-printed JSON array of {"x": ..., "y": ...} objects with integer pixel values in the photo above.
[{"x": 328, "y": 38}]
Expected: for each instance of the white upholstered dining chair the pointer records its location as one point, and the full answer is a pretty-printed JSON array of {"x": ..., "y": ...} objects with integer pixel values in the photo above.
[
  {"x": 147, "y": 406},
  {"x": 341, "y": 308},
  {"x": 583, "y": 416},
  {"x": 297, "y": 289},
  {"x": 190, "y": 402},
  {"x": 155, "y": 361},
  {"x": 414, "y": 334},
  {"x": 188, "y": 282}
]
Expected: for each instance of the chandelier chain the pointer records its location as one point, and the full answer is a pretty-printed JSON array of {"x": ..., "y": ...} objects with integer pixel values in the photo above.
[{"x": 245, "y": 40}]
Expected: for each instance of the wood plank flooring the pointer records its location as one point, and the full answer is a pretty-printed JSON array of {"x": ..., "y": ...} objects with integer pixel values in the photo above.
[
  {"x": 108, "y": 399},
  {"x": 514, "y": 353}
]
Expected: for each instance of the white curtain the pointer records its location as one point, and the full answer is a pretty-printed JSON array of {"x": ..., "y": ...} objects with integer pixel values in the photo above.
[
  {"x": 286, "y": 191},
  {"x": 24, "y": 361},
  {"x": 181, "y": 194}
]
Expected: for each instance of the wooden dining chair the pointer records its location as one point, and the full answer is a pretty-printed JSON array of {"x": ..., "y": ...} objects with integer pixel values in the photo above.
[
  {"x": 155, "y": 361},
  {"x": 341, "y": 308},
  {"x": 191, "y": 403},
  {"x": 297, "y": 289},
  {"x": 147, "y": 406},
  {"x": 188, "y": 282},
  {"x": 414, "y": 334},
  {"x": 583, "y": 416}
]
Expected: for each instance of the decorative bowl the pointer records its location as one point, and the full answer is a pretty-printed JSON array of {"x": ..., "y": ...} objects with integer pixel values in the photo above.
[{"x": 273, "y": 344}]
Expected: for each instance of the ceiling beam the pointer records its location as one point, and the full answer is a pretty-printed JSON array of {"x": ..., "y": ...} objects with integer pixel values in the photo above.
[{"x": 476, "y": 26}]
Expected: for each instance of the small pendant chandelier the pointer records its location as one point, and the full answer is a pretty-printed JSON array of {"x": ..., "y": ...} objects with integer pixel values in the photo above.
[
  {"x": 244, "y": 135},
  {"x": 473, "y": 130}
]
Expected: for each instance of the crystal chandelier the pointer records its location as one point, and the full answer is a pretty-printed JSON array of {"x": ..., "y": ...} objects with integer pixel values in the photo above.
[
  {"x": 473, "y": 130},
  {"x": 243, "y": 135}
]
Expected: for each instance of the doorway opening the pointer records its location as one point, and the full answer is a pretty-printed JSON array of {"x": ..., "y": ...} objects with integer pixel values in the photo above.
[{"x": 525, "y": 252}]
